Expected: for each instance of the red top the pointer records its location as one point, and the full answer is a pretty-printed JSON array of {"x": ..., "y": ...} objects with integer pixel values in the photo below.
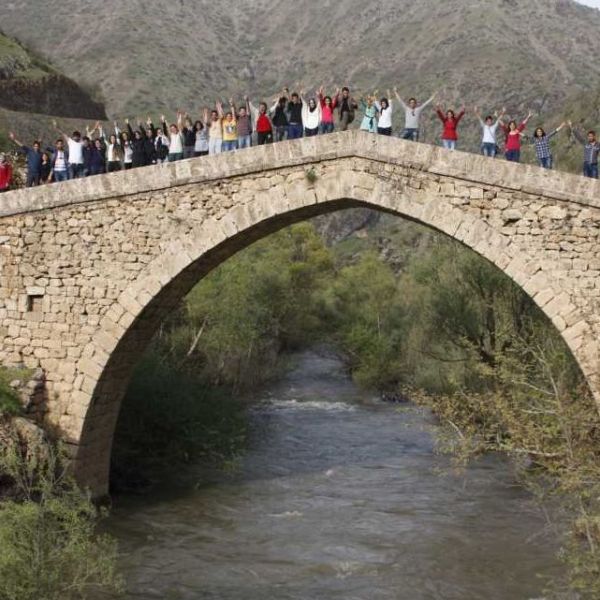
[
  {"x": 450, "y": 125},
  {"x": 326, "y": 111},
  {"x": 263, "y": 124},
  {"x": 513, "y": 140},
  {"x": 5, "y": 176}
]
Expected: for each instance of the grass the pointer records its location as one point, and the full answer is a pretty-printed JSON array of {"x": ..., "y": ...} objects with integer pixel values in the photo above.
[{"x": 10, "y": 403}]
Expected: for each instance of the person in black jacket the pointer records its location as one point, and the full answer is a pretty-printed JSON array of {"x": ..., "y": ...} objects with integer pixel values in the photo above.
[
  {"x": 189, "y": 138},
  {"x": 279, "y": 119},
  {"x": 138, "y": 144}
]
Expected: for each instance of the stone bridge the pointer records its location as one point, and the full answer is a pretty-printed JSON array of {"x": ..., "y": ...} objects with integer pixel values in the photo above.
[{"x": 89, "y": 268}]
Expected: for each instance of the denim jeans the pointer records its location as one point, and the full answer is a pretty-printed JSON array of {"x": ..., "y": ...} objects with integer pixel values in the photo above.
[
  {"x": 590, "y": 170},
  {"x": 546, "y": 162},
  {"x": 488, "y": 149},
  {"x": 229, "y": 145},
  {"x": 76, "y": 171},
  {"x": 327, "y": 127},
  {"x": 244, "y": 141},
  {"x": 449, "y": 144},
  {"x": 214, "y": 145},
  {"x": 61, "y": 176},
  {"x": 410, "y": 134},
  {"x": 294, "y": 131},
  {"x": 175, "y": 156},
  {"x": 513, "y": 155},
  {"x": 280, "y": 132},
  {"x": 384, "y": 130}
]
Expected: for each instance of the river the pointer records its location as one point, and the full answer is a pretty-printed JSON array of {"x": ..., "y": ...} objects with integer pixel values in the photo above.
[{"x": 340, "y": 496}]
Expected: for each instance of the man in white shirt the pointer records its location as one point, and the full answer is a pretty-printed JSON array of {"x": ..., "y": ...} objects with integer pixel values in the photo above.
[{"x": 75, "y": 144}]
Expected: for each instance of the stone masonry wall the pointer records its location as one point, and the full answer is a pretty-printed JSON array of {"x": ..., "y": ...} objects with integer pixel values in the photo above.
[{"x": 89, "y": 268}]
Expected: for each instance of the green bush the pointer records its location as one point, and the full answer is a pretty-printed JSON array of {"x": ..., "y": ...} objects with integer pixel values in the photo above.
[{"x": 49, "y": 548}]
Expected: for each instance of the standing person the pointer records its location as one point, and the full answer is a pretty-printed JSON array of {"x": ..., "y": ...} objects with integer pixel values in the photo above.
[
  {"x": 489, "y": 140},
  {"x": 97, "y": 162},
  {"x": 295, "y": 129},
  {"x": 591, "y": 150},
  {"x": 201, "y": 131},
  {"x": 6, "y": 173},
  {"x": 450, "y": 121},
  {"x": 279, "y": 118},
  {"x": 59, "y": 162},
  {"x": 230, "y": 129},
  {"x": 160, "y": 143},
  {"x": 138, "y": 146},
  {"x": 369, "y": 121},
  {"x": 412, "y": 116},
  {"x": 175, "y": 137},
  {"x": 244, "y": 126},
  {"x": 311, "y": 116},
  {"x": 189, "y": 138},
  {"x": 33, "y": 154},
  {"x": 75, "y": 147},
  {"x": 126, "y": 146},
  {"x": 385, "y": 108},
  {"x": 262, "y": 123},
  {"x": 215, "y": 131},
  {"x": 46, "y": 169},
  {"x": 541, "y": 141},
  {"x": 347, "y": 107},
  {"x": 327, "y": 121},
  {"x": 114, "y": 153},
  {"x": 513, "y": 134}
]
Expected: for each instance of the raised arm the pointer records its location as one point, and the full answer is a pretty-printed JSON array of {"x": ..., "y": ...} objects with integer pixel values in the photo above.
[
  {"x": 461, "y": 114},
  {"x": 553, "y": 133},
  {"x": 440, "y": 114},
  {"x": 404, "y": 105},
  {"x": 429, "y": 100},
  {"x": 65, "y": 136},
  {"x": 15, "y": 141}
]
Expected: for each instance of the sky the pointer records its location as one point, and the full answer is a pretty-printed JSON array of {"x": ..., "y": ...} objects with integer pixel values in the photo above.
[{"x": 595, "y": 3}]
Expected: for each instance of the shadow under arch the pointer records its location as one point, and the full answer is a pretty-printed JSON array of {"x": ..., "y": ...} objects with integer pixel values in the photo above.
[{"x": 126, "y": 331}]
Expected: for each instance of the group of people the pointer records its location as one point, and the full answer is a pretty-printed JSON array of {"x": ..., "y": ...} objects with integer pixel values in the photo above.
[{"x": 291, "y": 116}]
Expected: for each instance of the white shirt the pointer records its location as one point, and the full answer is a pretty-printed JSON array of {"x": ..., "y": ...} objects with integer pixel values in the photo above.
[
  {"x": 175, "y": 143},
  {"x": 127, "y": 153},
  {"x": 489, "y": 132},
  {"x": 75, "y": 152},
  {"x": 201, "y": 140},
  {"x": 311, "y": 119},
  {"x": 385, "y": 115}
]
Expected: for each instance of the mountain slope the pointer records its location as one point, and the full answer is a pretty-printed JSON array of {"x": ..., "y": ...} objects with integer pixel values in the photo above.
[
  {"x": 148, "y": 54},
  {"x": 30, "y": 84}
]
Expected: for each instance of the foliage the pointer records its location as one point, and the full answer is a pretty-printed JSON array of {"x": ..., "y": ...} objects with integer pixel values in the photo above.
[
  {"x": 171, "y": 417},
  {"x": 9, "y": 398},
  {"x": 48, "y": 545}
]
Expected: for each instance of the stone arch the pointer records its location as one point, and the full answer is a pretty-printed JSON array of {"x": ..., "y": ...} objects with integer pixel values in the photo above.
[{"x": 126, "y": 328}]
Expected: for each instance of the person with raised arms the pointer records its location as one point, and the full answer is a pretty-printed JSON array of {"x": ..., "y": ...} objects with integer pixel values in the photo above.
[
  {"x": 541, "y": 141},
  {"x": 385, "y": 108},
  {"x": 513, "y": 133},
  {"x": 33, "y": 155},
  {"x": 412, "y": 116},
  {"x": 450, "y": 121},
  {"x": 75, "y": 148},
  {"x": 591, "y": 150},
  {"x": 489, "y": 127}
]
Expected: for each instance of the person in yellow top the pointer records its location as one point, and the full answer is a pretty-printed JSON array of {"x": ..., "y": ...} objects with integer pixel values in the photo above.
[
  {"x": 230, "y": 129},
  {"x": 215, "y": 130}
]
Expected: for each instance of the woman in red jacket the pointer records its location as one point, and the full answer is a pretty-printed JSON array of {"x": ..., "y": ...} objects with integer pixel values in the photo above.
[
  {"x": 5, "y": 173},
  {"x": 450, "y": 121},
  {"x": 513, "y": 133}
]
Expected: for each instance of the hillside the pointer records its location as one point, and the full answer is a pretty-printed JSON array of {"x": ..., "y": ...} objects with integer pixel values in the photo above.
[
  {"x": 150, "y": 55},
  {"x": 30, "y": 84}
]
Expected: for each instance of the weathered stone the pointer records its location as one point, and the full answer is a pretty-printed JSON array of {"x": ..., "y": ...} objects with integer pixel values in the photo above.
[{"x": 88, "y": 269}]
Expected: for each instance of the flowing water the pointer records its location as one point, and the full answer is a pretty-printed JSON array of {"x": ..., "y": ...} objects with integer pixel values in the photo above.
[{"x": 340, "y": 496}]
